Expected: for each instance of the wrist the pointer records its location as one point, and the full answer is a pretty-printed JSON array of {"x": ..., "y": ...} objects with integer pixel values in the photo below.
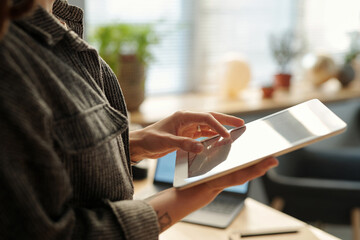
[
  {"x": 135, "y": 139},
  {"x": 203, "y": 191},
  {"x": 211, "y": 190},
  {"x": 214, "y": 186}
]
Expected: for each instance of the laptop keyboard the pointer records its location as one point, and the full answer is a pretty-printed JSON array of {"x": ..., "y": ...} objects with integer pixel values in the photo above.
[{"x": 222, "y": 205}]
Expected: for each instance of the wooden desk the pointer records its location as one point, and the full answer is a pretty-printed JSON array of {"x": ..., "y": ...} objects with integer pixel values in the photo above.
[
  {"x": 255, "y": 217},
  {"x": 156, "y": 108}
]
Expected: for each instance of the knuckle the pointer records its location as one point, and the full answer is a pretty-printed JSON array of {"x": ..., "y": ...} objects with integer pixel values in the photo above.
[
  {"x": 178, "y": 142},
  {"x": 207, "y": 117},
  {"x": 180, "y": 114}
]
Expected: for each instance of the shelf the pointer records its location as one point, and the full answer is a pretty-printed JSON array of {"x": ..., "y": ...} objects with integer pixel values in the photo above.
[{"x": 248, "y": 102}]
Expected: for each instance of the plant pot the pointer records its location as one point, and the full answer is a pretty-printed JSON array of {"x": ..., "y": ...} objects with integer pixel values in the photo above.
[
  {"x": 267, "y": 92},
  {"x": 346, "y": 74},
  {"x": 282, "y": 81},
  {"x": 132, "y": 81}
]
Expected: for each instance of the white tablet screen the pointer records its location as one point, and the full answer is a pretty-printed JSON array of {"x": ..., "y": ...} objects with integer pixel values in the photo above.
[{"x": 273, "y": 135}]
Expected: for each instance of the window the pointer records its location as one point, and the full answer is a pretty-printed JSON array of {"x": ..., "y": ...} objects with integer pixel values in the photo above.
[
  {"x": 242, "y": 27},
  {"x": 200, "y": 32},
  {"x": 168, "y": 73},
  {"x": 327, "y": 24}
]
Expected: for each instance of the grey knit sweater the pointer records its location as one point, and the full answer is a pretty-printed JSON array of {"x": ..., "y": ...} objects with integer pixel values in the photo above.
[{"x": 64, "y": 151}]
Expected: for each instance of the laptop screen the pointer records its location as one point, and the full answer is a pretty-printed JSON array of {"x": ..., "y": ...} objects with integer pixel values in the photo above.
[{"x": 165, "y": 170}]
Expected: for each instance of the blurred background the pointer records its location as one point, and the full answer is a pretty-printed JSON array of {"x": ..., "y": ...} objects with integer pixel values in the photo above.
[
  {"x": 247, "y": 58},
  {"x": 196, "y": 36}
]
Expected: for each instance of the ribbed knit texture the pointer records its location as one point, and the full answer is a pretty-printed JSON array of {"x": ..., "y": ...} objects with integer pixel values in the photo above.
[{"x": 64, "y": 154}]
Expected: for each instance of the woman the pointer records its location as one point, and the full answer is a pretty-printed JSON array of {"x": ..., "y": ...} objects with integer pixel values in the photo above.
[{"x": 66, "y": 151}]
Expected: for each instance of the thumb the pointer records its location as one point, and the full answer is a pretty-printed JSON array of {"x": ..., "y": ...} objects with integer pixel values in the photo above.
[{"x": 186, "y": 144}]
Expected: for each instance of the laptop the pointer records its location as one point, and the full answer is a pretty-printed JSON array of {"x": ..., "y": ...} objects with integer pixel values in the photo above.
[{"x": 219, "y": 213}]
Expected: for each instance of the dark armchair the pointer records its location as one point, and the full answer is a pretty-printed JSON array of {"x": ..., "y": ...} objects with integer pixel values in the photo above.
[{"x": 322, "y": 182}]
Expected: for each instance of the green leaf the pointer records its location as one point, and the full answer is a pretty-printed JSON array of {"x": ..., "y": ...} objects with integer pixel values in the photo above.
[{"x": 122, "y": 38}]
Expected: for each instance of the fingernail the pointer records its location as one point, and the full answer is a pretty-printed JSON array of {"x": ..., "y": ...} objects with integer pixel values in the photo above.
[{"x": 227, "y": 135}]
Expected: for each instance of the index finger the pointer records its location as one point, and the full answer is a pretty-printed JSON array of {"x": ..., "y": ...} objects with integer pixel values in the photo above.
[
  {"x": 217, "y": 120},
  {"x": 228, "y": 119}
]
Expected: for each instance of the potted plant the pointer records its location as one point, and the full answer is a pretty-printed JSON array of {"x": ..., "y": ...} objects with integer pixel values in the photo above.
[
  {"x": 267, "y": 91},
  {"x": 346, "y": 72},
  {"x": 126, "y": 48},
  {"x": 284, "y": 49}
]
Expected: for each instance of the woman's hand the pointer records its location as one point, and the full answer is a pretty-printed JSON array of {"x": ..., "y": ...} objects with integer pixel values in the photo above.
[
  {"x": 179, "y": 131},
  {"x": 241, "y": 176},
  {"x": 172, "y": 204}
]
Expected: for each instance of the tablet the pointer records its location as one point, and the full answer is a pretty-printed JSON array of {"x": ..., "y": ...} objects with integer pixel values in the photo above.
[{"x": 273, "y": 135}]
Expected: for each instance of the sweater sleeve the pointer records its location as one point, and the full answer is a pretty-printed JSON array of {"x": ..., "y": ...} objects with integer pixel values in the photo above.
[{"x": 36, "y": 192}]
